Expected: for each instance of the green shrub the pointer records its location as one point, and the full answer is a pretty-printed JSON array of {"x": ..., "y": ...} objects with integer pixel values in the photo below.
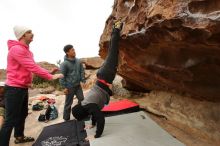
[{"x": 42, "y": 83}]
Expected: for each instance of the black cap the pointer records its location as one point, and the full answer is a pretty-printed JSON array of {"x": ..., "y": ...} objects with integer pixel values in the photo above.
[{"x": 67, "y": 48}]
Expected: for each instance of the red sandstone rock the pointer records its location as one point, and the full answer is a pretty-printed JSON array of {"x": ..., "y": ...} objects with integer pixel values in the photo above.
[
  {"x": 92, "y": 62},
  {"x": 169, "y": 45}
]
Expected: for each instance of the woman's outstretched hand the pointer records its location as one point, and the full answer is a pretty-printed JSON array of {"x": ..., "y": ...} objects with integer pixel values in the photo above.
[
  {"x": 54, "y": 70},
  {"x": 57, "y": 76}
]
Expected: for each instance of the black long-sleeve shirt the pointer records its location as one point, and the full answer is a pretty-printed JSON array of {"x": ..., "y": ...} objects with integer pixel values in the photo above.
[{"x": 98, "y": 118}]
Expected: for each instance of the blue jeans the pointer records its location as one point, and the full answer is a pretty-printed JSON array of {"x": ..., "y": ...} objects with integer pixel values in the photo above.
[
  {"x": 16, "y": 106},
  {"x": 69, "y": 100}
]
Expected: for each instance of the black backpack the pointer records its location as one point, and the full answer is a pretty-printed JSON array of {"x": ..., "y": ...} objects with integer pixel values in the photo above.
[
  {"x": 37, "y": 107},
  {"x": 42, "y": 118}
]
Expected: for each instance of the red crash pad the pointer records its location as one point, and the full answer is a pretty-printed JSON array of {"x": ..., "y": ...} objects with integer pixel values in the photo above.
[{"x": 122, "y": 105}]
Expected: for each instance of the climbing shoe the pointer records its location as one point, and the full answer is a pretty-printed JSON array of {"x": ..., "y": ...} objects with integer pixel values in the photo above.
[{"x": 118, "y": 24}]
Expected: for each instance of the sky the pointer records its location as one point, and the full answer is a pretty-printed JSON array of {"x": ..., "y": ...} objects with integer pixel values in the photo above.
[{"x": 55, "y": 23}]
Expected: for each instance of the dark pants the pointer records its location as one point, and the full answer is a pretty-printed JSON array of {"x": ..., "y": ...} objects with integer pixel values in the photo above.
[
  {"x": 108, "y": 70},
  {"x": 69, "y": 100},
  {"x": 16, "y": 105}
]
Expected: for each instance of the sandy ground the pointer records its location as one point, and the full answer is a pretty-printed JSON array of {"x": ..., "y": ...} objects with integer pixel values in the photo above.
[{"x": 33, "y": 127}]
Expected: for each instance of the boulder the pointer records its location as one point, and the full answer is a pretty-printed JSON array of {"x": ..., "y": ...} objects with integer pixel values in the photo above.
[
  {"x": 172, "y": 47},
  {"x": 169, "y": 45},
  {"x": 92, "y": 62}
]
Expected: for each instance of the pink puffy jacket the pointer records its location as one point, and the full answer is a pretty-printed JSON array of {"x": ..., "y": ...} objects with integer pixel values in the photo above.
[{"x": 21, "y": 65}]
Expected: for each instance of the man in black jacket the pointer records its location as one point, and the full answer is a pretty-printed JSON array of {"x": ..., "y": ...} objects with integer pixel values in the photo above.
[{"x": 100, "y": 93}]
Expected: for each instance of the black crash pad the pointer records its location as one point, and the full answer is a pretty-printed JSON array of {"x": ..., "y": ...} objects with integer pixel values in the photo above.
[{"x": 70, "y": 133}]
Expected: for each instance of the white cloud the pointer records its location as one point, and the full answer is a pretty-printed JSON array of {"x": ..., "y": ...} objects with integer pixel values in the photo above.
[{"x": 55, "y": 23}]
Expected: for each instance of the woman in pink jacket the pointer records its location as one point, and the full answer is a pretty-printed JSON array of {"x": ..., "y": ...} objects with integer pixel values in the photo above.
[{"x": 20, "y": 67}]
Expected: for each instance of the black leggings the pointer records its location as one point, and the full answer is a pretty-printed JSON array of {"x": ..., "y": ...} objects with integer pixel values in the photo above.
[{"x": 108, "y": 69}]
